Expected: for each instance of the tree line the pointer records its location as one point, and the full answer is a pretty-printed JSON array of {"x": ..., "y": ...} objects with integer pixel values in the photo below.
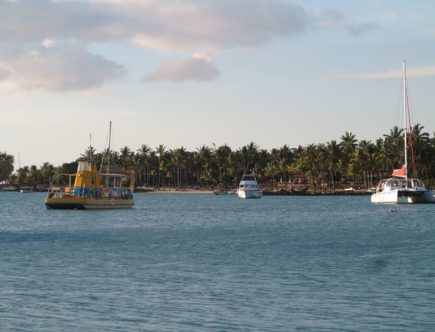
[{"x": 328, "y": 166}]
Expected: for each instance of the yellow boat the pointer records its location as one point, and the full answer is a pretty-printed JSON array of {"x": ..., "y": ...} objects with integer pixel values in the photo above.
[{"x": 93, "y": 190}]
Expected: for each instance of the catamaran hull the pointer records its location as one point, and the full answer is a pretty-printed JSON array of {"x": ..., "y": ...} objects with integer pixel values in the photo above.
[
  {"x": 245, "y": 194},
  {"x": 399, "y": 197},
  {"x": 429, "y": 196},
  {"x": 77, "y": 203}
]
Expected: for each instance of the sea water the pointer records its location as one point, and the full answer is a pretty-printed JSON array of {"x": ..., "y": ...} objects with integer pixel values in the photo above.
[{"x": 185, "y": 262}]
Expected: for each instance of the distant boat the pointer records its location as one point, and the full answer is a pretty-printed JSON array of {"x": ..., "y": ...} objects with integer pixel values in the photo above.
[
  {"x": 220, "y": 192},
  {"x": 93, "y": 189},
  {"x": 248, "y": 187},
  {"x": 399, "y": 188},
  {"x": 26, "y": 189},
  {"x": 9, "y": 188}
]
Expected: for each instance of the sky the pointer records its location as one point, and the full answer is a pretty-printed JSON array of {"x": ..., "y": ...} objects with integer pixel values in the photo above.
[{"x": 202, "y": 72}]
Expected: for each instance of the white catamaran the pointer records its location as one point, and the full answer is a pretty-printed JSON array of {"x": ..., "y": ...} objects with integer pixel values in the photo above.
[{"x": 400, "y": 188}]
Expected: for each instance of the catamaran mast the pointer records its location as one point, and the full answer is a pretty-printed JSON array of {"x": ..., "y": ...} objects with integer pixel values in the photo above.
[
  {"x": 405, "y": 121},
  {"x": 108, "y": 154}
]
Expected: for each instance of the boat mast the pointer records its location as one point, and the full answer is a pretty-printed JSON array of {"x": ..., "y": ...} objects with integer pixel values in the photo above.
[
  {"x": 405, "y": 126},
  {"x": 90, "y": 149},
  {"x": 108, "y": 154}
]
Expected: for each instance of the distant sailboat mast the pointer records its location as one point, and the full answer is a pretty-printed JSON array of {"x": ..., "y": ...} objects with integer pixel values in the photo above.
[{"x": 108, "y": 154}]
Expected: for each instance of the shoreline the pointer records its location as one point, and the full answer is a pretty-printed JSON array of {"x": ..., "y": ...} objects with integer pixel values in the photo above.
[
  {"x": 149, "y": 190},
  {"x": 265, "y": 192}
]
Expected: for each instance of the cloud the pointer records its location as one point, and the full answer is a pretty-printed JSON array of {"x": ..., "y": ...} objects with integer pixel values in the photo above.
[
  {"x": 199, "y": 67},
  {"x": 210, "y": 25},
  {"x": 334, "y": 18},
  {"x": 34, "y": 20},
  {"x": 421, "y": 71},
  {"x": 63, "y": 68},
  {"x": 361, "y": 28},
  {"x": 329, "y": 17},
  {"x": 169, "y": 25},
  {"x": 48, "y": 43}
]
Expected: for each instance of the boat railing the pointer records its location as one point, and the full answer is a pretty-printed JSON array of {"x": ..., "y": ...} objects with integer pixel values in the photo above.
[{"x": 110, "y": 193}]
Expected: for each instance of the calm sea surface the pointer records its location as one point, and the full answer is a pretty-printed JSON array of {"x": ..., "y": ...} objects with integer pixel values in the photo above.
[{"x": 216, "y": 263}]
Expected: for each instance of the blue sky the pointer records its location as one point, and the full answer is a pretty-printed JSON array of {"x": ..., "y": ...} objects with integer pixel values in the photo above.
[{"x": 197, "y": 72}]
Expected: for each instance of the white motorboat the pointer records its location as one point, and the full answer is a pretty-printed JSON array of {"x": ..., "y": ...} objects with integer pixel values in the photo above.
[
  {"x": 399, "y": 188},
  {"x": 248, "y": 187}
]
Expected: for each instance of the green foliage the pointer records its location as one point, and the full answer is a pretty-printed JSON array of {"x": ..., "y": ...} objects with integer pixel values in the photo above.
[
  {"x": 6, "y": 166},
  {"x": 319, "y": 167}
]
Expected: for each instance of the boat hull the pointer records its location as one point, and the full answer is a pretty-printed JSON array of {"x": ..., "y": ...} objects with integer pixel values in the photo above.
[
  {"x": 429, "y": 196},
  {"x": 399, "y": 197},
  {"x": 80, "y": 203},
  {"x": 247, "y": 194}
]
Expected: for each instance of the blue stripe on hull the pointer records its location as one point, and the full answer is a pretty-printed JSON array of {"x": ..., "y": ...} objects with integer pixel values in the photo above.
[{"x": 83, "y": 206}]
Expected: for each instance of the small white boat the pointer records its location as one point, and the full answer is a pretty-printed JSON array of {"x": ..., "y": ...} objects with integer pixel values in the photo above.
[
  {"x": 248, "y": 187},
  {"x": 399, "y": 189},
  {"x": 26, "y": 189},
  {"x": 220, "y": 192}
]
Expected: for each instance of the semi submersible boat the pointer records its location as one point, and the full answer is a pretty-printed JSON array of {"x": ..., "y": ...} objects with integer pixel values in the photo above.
[{"x": 93, "y": 189}]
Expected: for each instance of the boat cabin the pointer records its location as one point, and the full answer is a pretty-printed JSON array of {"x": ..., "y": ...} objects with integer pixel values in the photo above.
[{"x": 400, "y": 183}]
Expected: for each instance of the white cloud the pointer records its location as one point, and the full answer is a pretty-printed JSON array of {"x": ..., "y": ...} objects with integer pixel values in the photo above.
[
  {"x": 329, "y": 17},
  {"x": 180, "y": 25},
  {"x": 334, "y": 18},
  {"x": 358, "y": 29},
  {"x": 420, "y": 71},
  {"x": 48, "y": 43},
  {"x": 169, "y": 25},
  {"x": 62, "y": 68},
  {"x": 199, "y": 67}
]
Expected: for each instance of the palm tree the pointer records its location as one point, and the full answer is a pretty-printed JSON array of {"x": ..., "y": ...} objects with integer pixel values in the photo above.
[
  {"x": 89, "y": 154},
  {"x": 364, "y": 161},
  {"x": 204, "y": 164},
  {"x": 308, "y": 164},
  {"x": 333, "y": 154},
  {"x": 250, "y": 154},
  {"x": 393, "y": 148},
  {"x": 47, "y": 173},
  {"x": 347, "y": 145},
  {"x": 125, "y": 157},
  {"x": 6, "y": 166},
  {"x": 420, "y": 149},
  {"x": 160, "y": 151},
  {"x": 178, "y": 160},
  {"x": 144, "y": 155},
  {"x": 22, "y": 175}
]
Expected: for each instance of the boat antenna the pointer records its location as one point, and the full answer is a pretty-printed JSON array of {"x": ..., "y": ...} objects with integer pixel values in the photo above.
[{"x": 246, "y": 168}]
